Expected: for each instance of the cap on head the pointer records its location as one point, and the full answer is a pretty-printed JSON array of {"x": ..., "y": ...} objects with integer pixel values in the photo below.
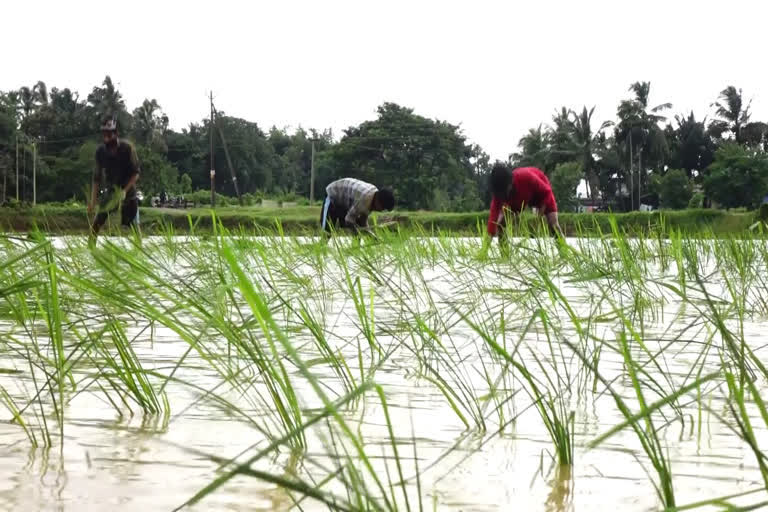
[{"x": 109, "y": 125}]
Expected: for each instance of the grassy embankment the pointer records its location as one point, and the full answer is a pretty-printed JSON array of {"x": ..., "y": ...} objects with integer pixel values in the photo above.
[{"x": 304, "y": 220}]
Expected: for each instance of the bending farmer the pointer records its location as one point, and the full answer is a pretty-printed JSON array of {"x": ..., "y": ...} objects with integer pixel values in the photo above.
[
  {"x": 349, "y": 201},
  {"x": 516, "y": 189}
]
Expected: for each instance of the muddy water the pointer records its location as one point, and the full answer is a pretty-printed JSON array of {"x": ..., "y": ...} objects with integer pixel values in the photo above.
[{"x": 132, "y": 461}]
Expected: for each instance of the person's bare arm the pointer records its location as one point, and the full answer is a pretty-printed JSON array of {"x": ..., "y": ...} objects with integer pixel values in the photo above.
[
  {"x": 554, "y": 225},
  {"x": 94, "y": 196},
  {"x": 134, "y": 172},
  {"x": 131, "y": 183}
]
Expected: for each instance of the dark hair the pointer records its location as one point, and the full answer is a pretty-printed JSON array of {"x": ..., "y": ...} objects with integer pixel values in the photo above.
[
  {"x": 385, "y": 198},
  {"x": 500, "y": 177}
]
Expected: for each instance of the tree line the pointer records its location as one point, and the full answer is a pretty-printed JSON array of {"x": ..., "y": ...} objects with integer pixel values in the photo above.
[
  {"x": 429, "y": 163},
  {"x": 643, "y": 157},
  {"x": 646, "y": 157}
]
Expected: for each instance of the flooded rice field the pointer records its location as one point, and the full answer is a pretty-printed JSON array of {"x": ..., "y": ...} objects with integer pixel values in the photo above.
[{"x": 406, "y": 373}]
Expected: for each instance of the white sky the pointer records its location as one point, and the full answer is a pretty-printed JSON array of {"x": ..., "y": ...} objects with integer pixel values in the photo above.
[{"x": 498, "y": 68}]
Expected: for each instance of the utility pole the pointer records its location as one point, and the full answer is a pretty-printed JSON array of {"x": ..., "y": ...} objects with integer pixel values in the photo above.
[
  {"x": 17, "y": 167},
  {"x": 229, "y": 160},
  {"x": 312, "y": 174},
  {"x": 213, "y": 163},
  {"x": 639, "y": 177},
  {"x": 34, "y": 174},
  {"x": 631, "y": 174}
]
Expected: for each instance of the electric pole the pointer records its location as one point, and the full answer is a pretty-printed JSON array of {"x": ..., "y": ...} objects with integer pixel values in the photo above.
[
  {"x": 312, "y": 174},
  {"x": 631, "y": 174},
  {"x": 17, "y": 167},
  {"x": 213, "y": 164},
  {"x": 34, "y": 174},
  {"x": 639, "y": 177},
  {"x": 229, "y": 160}
]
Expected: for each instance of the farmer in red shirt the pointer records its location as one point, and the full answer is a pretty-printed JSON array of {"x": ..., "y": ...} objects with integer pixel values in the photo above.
[{"x": 516, "y": 189}]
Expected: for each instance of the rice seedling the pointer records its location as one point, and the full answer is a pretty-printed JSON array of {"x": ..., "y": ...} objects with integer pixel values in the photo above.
[{"x": 365, "y": 373}]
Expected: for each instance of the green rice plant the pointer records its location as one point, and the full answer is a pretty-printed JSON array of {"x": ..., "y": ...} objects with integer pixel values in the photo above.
[
  {"x": 252, "y": 310},
  {"x": 245, "y": 468},
  {"x": 123, "y": 295},
  {"x": 648, "y": 436},
  {"x": 128, "y": 370},
  {"x": 741, "y": 416},
  {"x": 274, "y": 334},
  {"x": 723, "y": 503},
  {"x": 549, "y": 404},
  {"x": 442, "y": 360}
]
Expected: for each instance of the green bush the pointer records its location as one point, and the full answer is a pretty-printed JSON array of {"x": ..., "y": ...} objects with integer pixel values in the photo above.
[
  {"x": 675, "y": 190},
  {"x": 185, "y": 184},
  {"x": 157, "y": 173},
  {"x": 762, "y": 213},
  {"x": 469, "y": 199},
  {"x": 738, "y": 177},
  {"x": 697, "y": 200},
  {"x": 440, "y": 202},
  {"x": 565, "y": 179},
  {"x": 203, "y": 197},
  {"x": 250, "y": 199}
]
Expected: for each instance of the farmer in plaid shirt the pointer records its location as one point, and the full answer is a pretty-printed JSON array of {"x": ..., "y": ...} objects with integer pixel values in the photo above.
[{"x": 349, "y": 201}]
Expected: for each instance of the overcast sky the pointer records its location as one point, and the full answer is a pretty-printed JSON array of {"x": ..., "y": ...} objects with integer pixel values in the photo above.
[{"x": 496, "y": 68}]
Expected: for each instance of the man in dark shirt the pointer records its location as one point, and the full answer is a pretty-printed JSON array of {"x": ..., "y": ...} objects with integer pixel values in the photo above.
[{"x": 117, "y": 170}]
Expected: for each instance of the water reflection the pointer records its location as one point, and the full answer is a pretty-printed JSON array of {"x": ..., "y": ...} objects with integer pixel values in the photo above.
[
  {"x": 120, "y": 461},
  {"x": 561, "y": 496}
]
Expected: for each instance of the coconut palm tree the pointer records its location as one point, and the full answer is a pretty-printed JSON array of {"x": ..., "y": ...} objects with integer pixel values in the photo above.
[
  {"x": 12, "y": 100},
  {"x": 31, "y": 99},
  {"x": 107, "y": 102},
  {"x": 145, "y": 123},
  {"x": 586, "y": 141},
  {"x": 638, "y": 129},
  {"x": 40, "y": 93},
  {"x": 732, "y": 113},
  {"x": 562, "y": 147},
  {"x": 692, "y": 147},
  {"x": 535, "y": 148},
  {"x": 150, "y": 123},
  {"x": 26, "y": 101}
]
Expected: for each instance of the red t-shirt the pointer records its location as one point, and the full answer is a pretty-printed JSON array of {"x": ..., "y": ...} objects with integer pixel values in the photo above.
[{"x": 530, "y": 188}]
